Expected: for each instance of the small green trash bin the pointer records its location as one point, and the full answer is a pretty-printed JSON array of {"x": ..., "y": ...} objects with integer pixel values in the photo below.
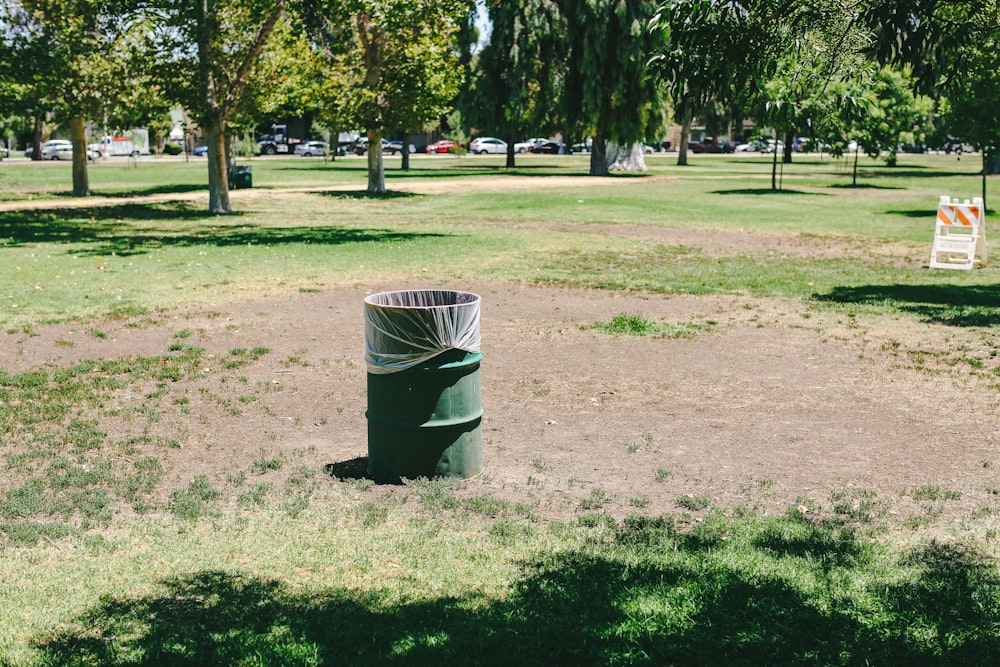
[
  {"x": 242, "y": 177},
  {"x": 424, "y": 407}
]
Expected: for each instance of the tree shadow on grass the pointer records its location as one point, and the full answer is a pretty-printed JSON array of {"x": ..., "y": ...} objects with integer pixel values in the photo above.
[
  {"x": 954, "y": 305},
  {"x": 363, "y": 194},
  {"x": 111, "y": 230},
  {"x": 864, "y": 186},
  {"x": 767, "y": 191},
  {"x": 665, "y": 599},
  {"x": 927, "y": 214}
]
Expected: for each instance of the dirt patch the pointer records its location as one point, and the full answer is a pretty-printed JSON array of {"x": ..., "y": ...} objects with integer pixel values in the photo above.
[{"x": 768, "y": 405}]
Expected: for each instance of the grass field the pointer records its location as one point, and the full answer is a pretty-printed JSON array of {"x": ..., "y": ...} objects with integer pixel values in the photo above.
[{"x": 348, "y": 576}]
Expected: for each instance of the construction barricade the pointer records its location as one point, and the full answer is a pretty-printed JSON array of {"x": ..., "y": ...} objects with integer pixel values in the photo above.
[{"x": 959, "y": 235}]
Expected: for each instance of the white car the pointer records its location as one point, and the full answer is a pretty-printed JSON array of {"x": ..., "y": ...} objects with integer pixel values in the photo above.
[
  {"x": 483, "y": 145},
  {"x": 48, "y": 148},
  {"x": 66, "y": 153},
  {"x": 525, "y": 146}
]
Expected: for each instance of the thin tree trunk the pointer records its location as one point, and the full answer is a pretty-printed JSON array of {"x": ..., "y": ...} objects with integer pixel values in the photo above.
[
  {"x": 218, "y": 184},
  {"x": 511, "y": 140},
  {"x": 406, "y": 152},
  {"x": 599, "y": 156},
  {"x": 854, "y": 179},
  {"x": 376, "y": 165},
  {"x": 682, "y": 148},
  {"x": 985, "y": 163},
  {"x": 774, "y": 167},
  {"x": 36, "y": 152},
  {"x": 789, "y": 140},
  {"x": 78, "y": 136}
]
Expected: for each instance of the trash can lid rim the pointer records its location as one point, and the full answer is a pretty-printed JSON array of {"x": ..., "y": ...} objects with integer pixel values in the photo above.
[{"x": 382, "y": 299}]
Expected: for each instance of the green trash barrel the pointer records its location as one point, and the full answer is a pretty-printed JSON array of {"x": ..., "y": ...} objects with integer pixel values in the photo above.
[
  {"x": 424, "y": 406},
  {"x": 242, "y": 177}
]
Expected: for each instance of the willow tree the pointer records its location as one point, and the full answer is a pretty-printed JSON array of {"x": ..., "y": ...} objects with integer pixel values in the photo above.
[
  {"x": 608, "y": 92},
  {"x": 393, "y": 64},
  {"x": 517, "y": 80},
  {"x": 202, "y": 54},
  {"x": 58, "y": 55}
]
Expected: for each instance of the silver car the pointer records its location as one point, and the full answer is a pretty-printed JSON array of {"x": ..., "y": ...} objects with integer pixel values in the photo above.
[
  {"x": 483, "y": 145},
  {"x": 310, "y": 148},
  {"x": 65, "y": 152},
  {"x": 48, "y": 148}
]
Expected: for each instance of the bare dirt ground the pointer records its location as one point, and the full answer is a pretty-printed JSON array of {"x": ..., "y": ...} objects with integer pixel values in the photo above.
[{"x": 768, "y": 406}]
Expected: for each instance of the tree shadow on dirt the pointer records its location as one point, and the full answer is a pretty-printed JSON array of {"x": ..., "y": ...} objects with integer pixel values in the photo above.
[
  {"x": 664, "y": 599},
  {"x": 112, "y": 230},
  {"x": 954, "y": 305}
]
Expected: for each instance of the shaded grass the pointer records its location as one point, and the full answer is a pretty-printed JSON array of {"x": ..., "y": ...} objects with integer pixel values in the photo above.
[{"x": 635, "y": 592}]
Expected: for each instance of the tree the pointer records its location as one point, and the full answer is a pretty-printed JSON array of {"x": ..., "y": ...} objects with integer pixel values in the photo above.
[
  {"x": 517, "y": 80},
  {"x": 202, "y": 54},
  {"x": 892, "y": 109},
  {"x": 398, "y": 62},
  {"x": 608, "y": 92},
  {"x": 703, "y": 47},
  {"x": 952, "y": 49},
  {"x": 67, "y": 47}
]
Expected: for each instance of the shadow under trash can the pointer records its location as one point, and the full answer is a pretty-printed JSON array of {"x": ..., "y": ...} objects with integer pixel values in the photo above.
[
  {"x": 424, "y": 410},
  {"x": 242, "y": 178}
]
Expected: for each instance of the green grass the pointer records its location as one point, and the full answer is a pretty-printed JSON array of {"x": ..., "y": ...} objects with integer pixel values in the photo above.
[
  {"x": 107, "y": 558},
  {"x": 632, "y": 324},
  {"x": 276, "y": 590},
  {"x": 135, "y": 256}
]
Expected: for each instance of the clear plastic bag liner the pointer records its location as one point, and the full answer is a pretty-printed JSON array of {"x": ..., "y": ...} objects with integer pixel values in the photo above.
[{"x": 409, "y": 327}]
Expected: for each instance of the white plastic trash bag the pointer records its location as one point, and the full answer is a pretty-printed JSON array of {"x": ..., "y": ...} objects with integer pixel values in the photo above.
[{"x": 409, "y": 327}]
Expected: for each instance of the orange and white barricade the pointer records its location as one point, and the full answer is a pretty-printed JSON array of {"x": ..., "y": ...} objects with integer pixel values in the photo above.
[{"x": 959, "y": 235}]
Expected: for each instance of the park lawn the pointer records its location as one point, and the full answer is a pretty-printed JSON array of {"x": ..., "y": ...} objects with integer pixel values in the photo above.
[{"x": 347, "y": 575}]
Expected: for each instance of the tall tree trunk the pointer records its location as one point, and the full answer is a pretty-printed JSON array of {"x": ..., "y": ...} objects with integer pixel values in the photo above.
[
  {"x": 986, "y": 161},
  {"x": 376, "y": 165},
  {"x": 230, "y": 153},
  {"x": 682, "y": 148},
  {"x": 789, "y": 140},
  {"x": 774, "y": 167},
  {"x": 218, "y": 182},
  {"x": 511, "y": 140},
  {"x": 599, "y": 156},
  {"x": 78, "y": 136},
  {"x": 854, "y": 178},
  {"x": 406, "y": 153},
  {"x": 36, "y": 152}
]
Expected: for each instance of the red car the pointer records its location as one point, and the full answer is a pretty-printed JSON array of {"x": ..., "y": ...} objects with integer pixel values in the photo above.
[{"x": 443, "y": 146}]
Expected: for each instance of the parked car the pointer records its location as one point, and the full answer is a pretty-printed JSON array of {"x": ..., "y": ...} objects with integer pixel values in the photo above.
[
  {"x": 583, "y": 146},
  {"x": 713, "y": 145},
  {"x": 483, "y": 145},
  {"x": 525, "y": 146},
  {"x": 396, "y": 148},
  {"x": 4, "y": 152},
  {"x": 550, "y": 147},
  {"x": 200, "y": 151},
  {"x": 772, "y": 144},
  {"x": 48, "y": 148},
  {"x": 956, "y": 145},
  {"x": 443, "y": 146},
  {"x": 66, "y": 153},
  {"x": 361, "y": 146},
  {"x": 311, "y": 148},
  {"x": 752, "y": 146}
]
